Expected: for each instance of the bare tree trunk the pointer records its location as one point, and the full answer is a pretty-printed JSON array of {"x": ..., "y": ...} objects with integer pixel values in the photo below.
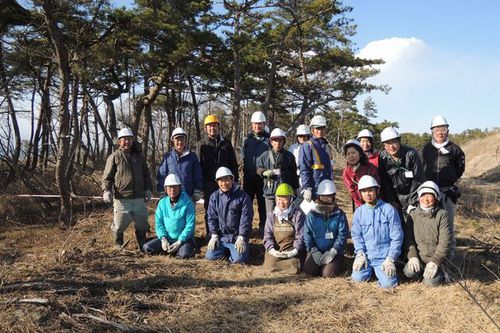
[
  {"x": 99, "y": 121},
  {"x": 195, "y": 108},
  {"x": 64, "y": 136},
  {"x": 235, "y": 127},
  {"x": 110, "y": 109}
]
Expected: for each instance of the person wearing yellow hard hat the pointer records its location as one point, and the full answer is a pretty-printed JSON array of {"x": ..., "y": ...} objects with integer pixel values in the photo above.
[
  {"x": 283, "y": 239},
  {"x": 214, "y": 151}
]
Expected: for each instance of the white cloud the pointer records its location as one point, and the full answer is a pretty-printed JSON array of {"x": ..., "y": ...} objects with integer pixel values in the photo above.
[{"x": 394, "y": 50}]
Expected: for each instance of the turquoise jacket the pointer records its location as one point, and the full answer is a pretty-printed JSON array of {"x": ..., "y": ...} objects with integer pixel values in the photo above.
[{"x": 175, "y": 223}]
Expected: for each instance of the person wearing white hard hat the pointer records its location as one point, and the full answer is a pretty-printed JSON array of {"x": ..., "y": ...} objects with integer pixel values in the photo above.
[
  {"x": 315, "y": 159},
  {"x": 428, "y": 237},
  {"x": 325, "y": 234},
  {"x": 174, "y": 222},
  {"x": 181, "y": 161},
  {"x": 283, "y": 239},
  {"x": 365, "y": 138},
  {"x": 357, "y": 166},
  {"x": 444, "y": 164},
  {"x": 302, "y": 134},
  {"x": 401, "y": 171},
  {"x": 377, "y": 236},
  {"x": 256, "y": 143},
  {"x": 230, "y": 216},
  {"x": 126, "y": 174},
  {"x": 276, "y": 165},
  {"x": 214, "y": 151}
]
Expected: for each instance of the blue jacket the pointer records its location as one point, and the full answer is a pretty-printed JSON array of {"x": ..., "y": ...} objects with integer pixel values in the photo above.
[
  {"x": 314, "y": 163},
  {"x": 252, "y": 148},
  {"x": 318, "y": 225},
  {"x": 377, "y": 231},
  {"x": 187, "y": 167},
  {"x": 230, "y": 214},
  {"x": 175, "y": 223}
]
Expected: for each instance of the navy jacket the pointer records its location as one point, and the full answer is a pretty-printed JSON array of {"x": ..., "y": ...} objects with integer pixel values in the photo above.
[
  {"x": 314, "y": 163},
  {"x": 187, "y": 167},
  {"x": 252, "y": 148}
]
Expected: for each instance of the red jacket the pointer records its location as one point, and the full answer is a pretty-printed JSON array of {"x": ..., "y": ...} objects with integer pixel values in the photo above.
[
  {"x": 373, "y": 158},
  {"x": 351, "y": 179}
]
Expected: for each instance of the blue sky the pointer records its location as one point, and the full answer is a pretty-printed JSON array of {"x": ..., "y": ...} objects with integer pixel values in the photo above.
[{"x": 442, "y": 57}]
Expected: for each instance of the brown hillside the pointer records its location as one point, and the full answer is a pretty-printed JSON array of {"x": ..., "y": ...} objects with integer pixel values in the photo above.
[{"x": 482, "y": 155}]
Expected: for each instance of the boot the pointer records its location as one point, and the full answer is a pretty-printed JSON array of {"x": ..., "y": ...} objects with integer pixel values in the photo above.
[
  {"x": 119, "y": 239},
  {"x": 141, "y": 239}
]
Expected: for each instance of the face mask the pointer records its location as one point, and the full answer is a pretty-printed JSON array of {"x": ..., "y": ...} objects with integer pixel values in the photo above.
[{"x": 282, "y": 214}]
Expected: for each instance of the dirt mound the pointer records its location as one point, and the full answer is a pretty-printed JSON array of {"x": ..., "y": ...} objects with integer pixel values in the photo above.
[{"x": 482, "y": 155}]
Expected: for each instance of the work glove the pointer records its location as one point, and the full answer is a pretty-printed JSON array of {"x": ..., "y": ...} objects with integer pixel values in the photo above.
[
  {"x": 414, "y": 265},
  {"x": 360, "y": 261},
  {"x": 292, "y": 253},
  {"x": 213, "y": 243},
  {"x": 148, "y": 195},
  {"x": 240, "y": 245},
  {"x": 388, "y": 266},
  {"x": 307, "y": 194},
  {"x": 328, "y": 256},
  {"x": 267, "y": 173},
  {"x": 410, "y": 208},
  {"x": 197, "y": 195},
  {"x": 175, "y": 246},
  {"x": 276, "y": 253},
  {"x": 107, "y": 196},
  {"x": 165, "y": 244},
  {"x": 316, "y": 255},
  {"x": 430, "y": 270}
]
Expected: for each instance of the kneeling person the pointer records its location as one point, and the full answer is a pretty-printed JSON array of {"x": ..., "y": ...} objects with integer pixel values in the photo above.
[
  {"x": 377, "y": 236},
  {"x": 230, "y": 215},
  {"x": 325, "y": 234},
  {"x": 175, "y": 222},
  {"x": 283, "y": 234},
  {"x": 428, "y": 236}
]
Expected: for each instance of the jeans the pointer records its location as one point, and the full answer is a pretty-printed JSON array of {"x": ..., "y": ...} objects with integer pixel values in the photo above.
[
  {"x": 438, "y": 279},
  {"x": 185, "y": 251},
  {"x": 375, "y": 265},
  {"x": 226, "y": 248}
]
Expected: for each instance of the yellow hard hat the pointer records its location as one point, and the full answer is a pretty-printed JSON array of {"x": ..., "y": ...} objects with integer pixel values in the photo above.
[
  {"x": 284, "y": 190},
  {"x": 211, "y": 118}
]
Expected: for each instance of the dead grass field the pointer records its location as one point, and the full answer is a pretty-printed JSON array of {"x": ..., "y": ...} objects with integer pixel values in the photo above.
[{"x": 58, "y": 280}]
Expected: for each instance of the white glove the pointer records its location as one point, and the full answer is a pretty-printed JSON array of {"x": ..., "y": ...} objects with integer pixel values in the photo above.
[
  {"x": 148, "y": 195},
  {"x": 410, "y": 208},
  {"x": 414, "y": 265},
  {"x": 292, "y": 253},
  {"x": 240, "y": 245},
  {"x": 213, "y": 243},
  {"x": 276, "y": 253},
  {"x": 388, "y": 266},
  {"x": 316, "y": 255},
  {"x": 359, "y": 261},
  {"x": 430, "y": 270},
  {"x": 107, "y": 196},
  {"x": 197, "y": 195},
  {"x": 267, "y": 173},
  {"x": 307, "y": 194},
  {"x": 328, "y": 256},
  {"x": 165, "y": 244},
  {"x": 175, "y": 246}
]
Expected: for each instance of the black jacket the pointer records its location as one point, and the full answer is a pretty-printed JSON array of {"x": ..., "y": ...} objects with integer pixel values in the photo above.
[
  {"x": 397, "y": 182},
  {"x": 214, "y": 154},
  {"x": 444, "y": 169}
]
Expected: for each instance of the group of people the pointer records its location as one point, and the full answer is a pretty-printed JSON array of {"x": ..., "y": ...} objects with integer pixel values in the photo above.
[{"x": 404, "y": 201}]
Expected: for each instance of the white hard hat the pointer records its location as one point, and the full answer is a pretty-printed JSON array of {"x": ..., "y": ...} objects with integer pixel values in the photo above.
[
  {"x": 389, "y": 133},
  {"x": 171, "y": 180},
  {"x": 438, "y": 121},
  {"x": 365, "y": 133},
  {"x": 303, "y": 130},
  {"x": 318, "y": 121},
  {"x": 125, "y": 132},
  {"x": 178, "y": 131},
  {"x": 223, "y": 172},
  {"x": 258, "y": 117},
  {"x": 351, "y": 143},
  {"x": 429, "y": 187},
  {"x": 277, "y": 133},
  {"x": 326, "y": 187},
  {"x": 367, "y": 181}
]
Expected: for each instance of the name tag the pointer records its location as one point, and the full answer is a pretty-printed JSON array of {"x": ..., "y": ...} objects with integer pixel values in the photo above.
[
  {"x": 329, "y": 235},
  {"x": 276, "y": 172},
  {"x": 408, "y": 174}
]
